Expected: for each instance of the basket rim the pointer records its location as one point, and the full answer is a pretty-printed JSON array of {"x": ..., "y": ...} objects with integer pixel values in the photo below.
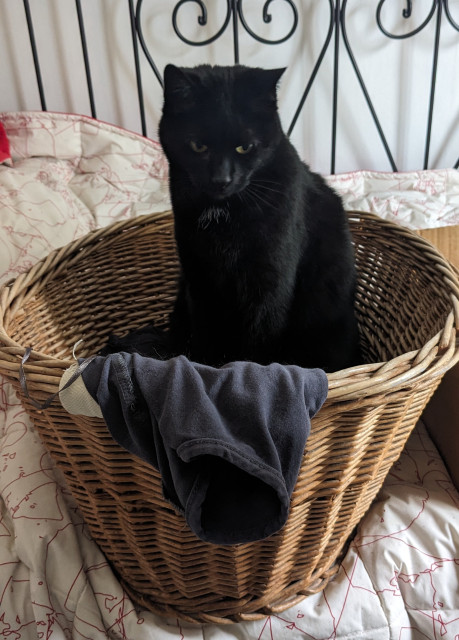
[{"x": 433, "y": 359}]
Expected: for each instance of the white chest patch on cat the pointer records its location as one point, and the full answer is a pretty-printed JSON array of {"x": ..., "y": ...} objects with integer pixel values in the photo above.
[{"x": 213, "y": 214}]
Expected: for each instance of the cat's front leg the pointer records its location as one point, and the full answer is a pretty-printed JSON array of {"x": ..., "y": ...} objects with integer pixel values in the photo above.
[{"x": 210, "y": 343}]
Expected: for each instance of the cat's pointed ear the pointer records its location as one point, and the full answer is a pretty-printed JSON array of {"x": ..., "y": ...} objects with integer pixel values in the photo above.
[
  {"x": 274, "y": 75},
  {"x": 263, "y": 86},
  {"x": 178, "y": 94},
  {"x": 271, "y": 80}
]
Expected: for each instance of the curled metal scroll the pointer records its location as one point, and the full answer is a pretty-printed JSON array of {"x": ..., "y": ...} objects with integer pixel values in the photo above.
[
  {"x": 267, "y": 18},
  {"x": 202, "y": 21},
  {"x": 234, "y": 10},
  {"x": 407, "y": 12}
]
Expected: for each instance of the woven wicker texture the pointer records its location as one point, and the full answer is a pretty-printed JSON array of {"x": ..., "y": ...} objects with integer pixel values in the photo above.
[{"x": 121, "y": 277}]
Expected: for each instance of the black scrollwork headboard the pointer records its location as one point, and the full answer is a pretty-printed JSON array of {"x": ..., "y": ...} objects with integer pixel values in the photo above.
[{"x": 348, "y": 56}]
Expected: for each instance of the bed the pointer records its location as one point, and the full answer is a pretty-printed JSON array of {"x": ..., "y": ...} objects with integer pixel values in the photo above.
[{"x": 63, "y": 175}]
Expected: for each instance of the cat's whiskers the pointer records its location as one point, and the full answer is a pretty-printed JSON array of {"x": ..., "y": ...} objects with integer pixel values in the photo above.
[
  {"x": 260, "y": 184},
  {"x": 264, "y": 181},
  {"x": 249, "y": 199},
  {"x": 252, "y": 191}
]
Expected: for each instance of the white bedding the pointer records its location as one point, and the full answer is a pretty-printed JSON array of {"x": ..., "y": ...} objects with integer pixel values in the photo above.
[{"x": 400, "y": 577}]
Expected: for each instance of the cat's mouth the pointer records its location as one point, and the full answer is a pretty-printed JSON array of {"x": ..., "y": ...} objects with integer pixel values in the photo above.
[
  {"x": 220, "y": 196},
  {"x": 222, "y": 191}
]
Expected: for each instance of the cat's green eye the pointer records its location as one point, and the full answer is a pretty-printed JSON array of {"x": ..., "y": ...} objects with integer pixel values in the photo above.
[
  {"x": 243, "y": 149},
  {"x": 198, "y": 147}
]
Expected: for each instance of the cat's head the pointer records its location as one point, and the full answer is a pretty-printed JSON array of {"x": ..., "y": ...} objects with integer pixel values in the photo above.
[{"x": 220, "y": 124}]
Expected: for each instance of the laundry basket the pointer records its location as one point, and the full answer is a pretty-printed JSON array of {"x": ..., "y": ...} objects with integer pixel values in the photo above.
[{"x": 124, "y": 276}]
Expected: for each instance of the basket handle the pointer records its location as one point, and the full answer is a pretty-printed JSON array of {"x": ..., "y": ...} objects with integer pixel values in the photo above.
[{"x": 23, "y": 381}]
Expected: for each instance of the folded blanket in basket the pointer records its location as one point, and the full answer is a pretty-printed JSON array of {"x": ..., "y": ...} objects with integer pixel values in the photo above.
[{"x": 228, "y": 442}]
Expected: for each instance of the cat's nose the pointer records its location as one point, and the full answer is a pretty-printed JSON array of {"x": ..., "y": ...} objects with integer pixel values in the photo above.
[
  {"x": 221, "y": 184},
  {"x": 220, "y": 176}
]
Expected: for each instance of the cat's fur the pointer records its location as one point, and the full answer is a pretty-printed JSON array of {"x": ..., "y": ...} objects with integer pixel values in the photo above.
[{"x": 267, "y": 266}]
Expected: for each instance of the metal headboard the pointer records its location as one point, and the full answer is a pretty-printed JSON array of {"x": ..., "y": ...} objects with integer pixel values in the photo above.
[{"x": 336, "y": 41}]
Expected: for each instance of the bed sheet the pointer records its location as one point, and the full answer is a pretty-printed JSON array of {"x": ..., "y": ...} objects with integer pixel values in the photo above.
[
  {"x": 65, "y": 175},
  {"x": 413, "y": 199}
]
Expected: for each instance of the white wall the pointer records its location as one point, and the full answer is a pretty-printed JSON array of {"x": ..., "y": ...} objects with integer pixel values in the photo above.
[{"x": 397, "y": 73}]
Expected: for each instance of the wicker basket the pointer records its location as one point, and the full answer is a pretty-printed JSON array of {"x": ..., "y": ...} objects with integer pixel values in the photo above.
[{"x": 121, "y": 277}]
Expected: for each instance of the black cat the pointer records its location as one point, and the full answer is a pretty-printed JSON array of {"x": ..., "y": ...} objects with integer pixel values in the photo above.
[{"x": 267, "y": 264}]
